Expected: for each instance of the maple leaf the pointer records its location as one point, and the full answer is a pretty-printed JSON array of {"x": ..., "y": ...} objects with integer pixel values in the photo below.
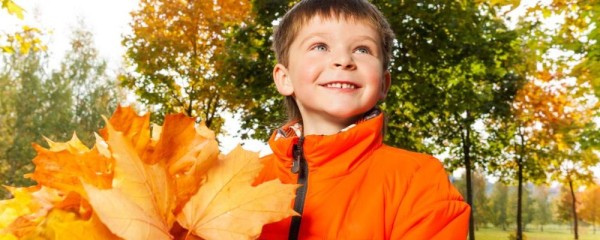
[
  {"x": 124, "y": 217},
  {"x": 62, "y": 166},
  {"x": 134, "y": 181},
  {"x": 142, "y": 191},
  {"x": 188, "y": 151},
  {"x": 134, "y": 127},
  {"x": 227, "y": 198},
  {"x": 151, "y": 180}
]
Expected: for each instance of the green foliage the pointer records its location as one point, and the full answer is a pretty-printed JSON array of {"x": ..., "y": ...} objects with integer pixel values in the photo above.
[
  {"x": 80, "y": 90},
  {"x": 451, "y": 68},
  {"x": 542, "y": 210},
  {"x": 35, "y": 104},
  {"x": 22, "y": 103},
  {"x": 499, "y": 206},
  {"x": 481, "y": 208},
  {"x": 249, "y": 61}
]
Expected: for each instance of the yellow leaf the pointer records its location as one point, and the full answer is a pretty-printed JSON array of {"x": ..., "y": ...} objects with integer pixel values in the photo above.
[
  {"x": 74, "y": 145},
  {"x": 227, "y": 207},
  {"x": 21, "y": 204},
  {"x": 20, "y": 215},
  {"x": 13, "y": 8},
  {"x": 7, "y": 236},
  {"x": 67, "y": 225}
]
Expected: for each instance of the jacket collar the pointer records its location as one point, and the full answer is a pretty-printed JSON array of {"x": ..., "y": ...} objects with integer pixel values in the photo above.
[{"x": 337, "y": 154}]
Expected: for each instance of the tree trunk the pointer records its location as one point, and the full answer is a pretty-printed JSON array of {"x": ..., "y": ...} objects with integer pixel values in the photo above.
[
  {"x": 520, "y": 187},
  {"x": 467, "y": 157},
  {"x": 573, "y": 209},
  {"x": 520, "y": 200}
]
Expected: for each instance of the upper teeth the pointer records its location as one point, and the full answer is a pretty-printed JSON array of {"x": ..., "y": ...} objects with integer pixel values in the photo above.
[{"x": 340, "y": 85}]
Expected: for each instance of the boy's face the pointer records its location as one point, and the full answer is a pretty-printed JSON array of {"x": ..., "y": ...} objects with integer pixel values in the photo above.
[{"x": 335, "y": 73}]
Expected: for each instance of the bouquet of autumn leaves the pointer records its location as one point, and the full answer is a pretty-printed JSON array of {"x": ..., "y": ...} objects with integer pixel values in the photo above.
[{"x": 138, "y": 182}]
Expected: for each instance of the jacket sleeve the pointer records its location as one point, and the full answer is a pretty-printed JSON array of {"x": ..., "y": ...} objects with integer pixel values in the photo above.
[{"x": 430, "y": 207}]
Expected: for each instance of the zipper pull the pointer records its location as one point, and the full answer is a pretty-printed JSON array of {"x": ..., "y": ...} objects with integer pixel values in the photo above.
[
  {"x": 297, "y": 155},
  {"x": 296, "y": 166},
  {"x": 296, "y": 161}
]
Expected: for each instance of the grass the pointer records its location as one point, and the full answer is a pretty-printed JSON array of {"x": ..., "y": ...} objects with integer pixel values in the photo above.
[{"x": 551, "y": 232}]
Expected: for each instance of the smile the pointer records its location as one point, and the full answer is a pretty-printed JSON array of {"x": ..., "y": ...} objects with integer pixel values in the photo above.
[{"x": 340, "y": 85}]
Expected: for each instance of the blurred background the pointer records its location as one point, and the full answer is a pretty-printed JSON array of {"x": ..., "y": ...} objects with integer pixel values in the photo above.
[{"x": 504, "y": 92}]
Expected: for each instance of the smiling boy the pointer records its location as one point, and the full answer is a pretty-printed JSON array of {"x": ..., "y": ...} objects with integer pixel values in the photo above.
[{"x": 333, "y": 57}]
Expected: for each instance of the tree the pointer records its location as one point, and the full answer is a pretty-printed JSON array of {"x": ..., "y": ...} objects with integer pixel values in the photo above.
[
  {"x": 568, "y": 157},
  {"x": 563, "y": 206},
  {"x": 590, "y": 210},
  {"x": 37, "y": 104},
  {"x": 542, "y": 208},
  {"x": 453, "y": 69},
  {"x": 580, "y": 34},
  {"x": 26, "y": 75},
  {"x": 21, "y": 54},
  {"x": 481, "y": 206},
  {"x": 571, "y": 143},
  {"x": 499, "y": 206},
  {"x": 173, "y": 48},
  {"x": 249, "y": 61},
  {"x": 80, "y": 90}
]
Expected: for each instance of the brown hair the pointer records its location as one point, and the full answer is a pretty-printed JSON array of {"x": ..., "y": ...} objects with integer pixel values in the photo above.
[{"x": 291, "y": 23}]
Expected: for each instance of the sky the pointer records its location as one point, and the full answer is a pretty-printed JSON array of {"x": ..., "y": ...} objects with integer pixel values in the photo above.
[{"x": 108, "y": 20}]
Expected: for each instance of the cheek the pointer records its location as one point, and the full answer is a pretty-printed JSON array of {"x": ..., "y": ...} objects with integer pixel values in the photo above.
[{"x": 306, "y": 71}]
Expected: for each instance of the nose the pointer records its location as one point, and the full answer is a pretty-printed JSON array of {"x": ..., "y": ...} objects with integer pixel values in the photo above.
[{"x": 344, "y": 61}]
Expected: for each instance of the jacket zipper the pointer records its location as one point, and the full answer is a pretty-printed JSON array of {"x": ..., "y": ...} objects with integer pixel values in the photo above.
[{"x": 299, "y": 167}]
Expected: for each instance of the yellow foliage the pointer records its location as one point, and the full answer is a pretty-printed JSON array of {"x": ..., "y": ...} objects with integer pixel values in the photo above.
[
  {"x": 12, "y": 8},
  {"x": 135, "y": 181}
]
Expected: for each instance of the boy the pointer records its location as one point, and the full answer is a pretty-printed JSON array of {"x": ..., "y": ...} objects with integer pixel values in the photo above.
[{"x": 332, "y": 67}]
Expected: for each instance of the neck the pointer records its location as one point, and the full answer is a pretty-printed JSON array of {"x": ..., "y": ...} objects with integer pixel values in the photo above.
[{"x": 325, "y": 126}]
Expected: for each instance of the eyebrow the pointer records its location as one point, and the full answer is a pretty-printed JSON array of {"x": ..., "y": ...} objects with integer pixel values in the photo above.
[
  {"x": 369, "y": 38},
  {"x": 311, "y": 36},
  {"x": 324, "y": 34}
]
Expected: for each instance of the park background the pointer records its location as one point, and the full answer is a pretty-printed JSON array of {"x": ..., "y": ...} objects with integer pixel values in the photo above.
[{"x": 504, "y": 92}]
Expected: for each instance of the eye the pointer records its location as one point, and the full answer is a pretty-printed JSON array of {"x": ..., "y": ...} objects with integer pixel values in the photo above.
[
  {"x": 319, "y": 47},
  {"x": 363, "y": 50}
]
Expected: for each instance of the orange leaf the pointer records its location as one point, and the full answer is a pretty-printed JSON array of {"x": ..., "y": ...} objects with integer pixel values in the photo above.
[
  {"x": 188, "y": 152},
  {"x": 227, "y": 207},
  {"x": 62, "y": 166},
  {"x": 134, "y": 127},
  {"x": 124, "y": 217},
  {"x": 148, "y": 187}
]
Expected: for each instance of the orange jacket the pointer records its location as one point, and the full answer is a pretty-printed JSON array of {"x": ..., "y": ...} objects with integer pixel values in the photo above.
[{"x": 360, "y": 188}]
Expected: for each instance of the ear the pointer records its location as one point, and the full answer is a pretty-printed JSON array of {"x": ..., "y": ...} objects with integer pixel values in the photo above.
[
  {"x": 282, "y": 80},
  {"x": 386, "y": 82}
]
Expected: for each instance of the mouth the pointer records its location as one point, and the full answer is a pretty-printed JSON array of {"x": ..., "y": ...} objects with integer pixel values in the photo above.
[{"x": 340, "y": 85}]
